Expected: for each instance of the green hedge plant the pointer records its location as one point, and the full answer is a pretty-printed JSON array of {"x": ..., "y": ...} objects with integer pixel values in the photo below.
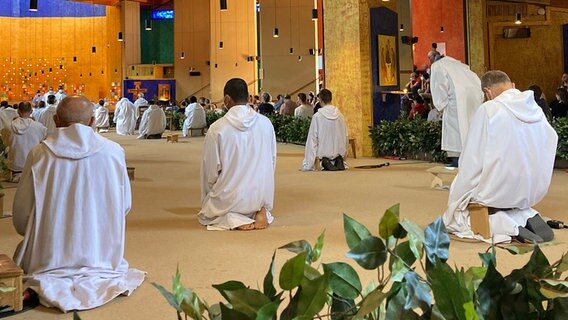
[
  {"x": 561, "y": 127},
  {"x": 414, "y": 281}
]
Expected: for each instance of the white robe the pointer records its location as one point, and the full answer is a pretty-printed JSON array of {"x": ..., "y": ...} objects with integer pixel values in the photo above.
[
  {"x": 71, "y": 207},
  {"x": 194, "y": 118},
  {"x": 153, "y": 121},
  {"x": 327, "y": 136},
  {"x": 6, "y": 117},
  {"x": 237, "y": 171},
  {"x": 46, "y": 118},
  {"x": 456, "y": 91},
  {"x": 47, "y": 94},
  {"x": 124, "y": 117},
  {"x": 101, "y": 117},
  {"x": 507, "y": 162},
  {"x": 21, "y": 137},
  {"x": 36, "y": 113},
  {"x": 137, "y": 104},
  {"x": 60, "y": 95}
]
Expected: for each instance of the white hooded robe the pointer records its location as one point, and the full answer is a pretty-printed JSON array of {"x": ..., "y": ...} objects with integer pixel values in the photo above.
[
  {"x": 194, "y": 118},
  {"x": 71, "y": 207},
  {"x": 507, "y": 162},
  {"x": 6, "y": 116},
  {"x": 237, "y": 171},
  {"x": 101, "y": 117},
  {"x": 46, "y": 118},
  {"x": 124, "y": 117},
  {"x": 20, "y": 138},
  {"x": 153, "y": 121},
  {"x": 140, "y": 102}
]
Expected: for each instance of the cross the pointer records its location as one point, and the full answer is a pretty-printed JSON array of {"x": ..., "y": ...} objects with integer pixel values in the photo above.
[{"x": 136, "y": 90}]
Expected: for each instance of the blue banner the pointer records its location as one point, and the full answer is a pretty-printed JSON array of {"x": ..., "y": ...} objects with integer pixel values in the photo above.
[
  {"x": 162, "y": 90},
  {"x": 50, "y": 9}
]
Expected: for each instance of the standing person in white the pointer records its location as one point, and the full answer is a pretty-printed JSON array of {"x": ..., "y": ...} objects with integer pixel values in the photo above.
[
  {"x": 194, "y": 116},
  {"x": 456, "y": 91},
  {"x": 153, "y": 123},
  {"x": 327, "y": 138},
  {"x": 102, "y": 122},
  {"x": 140, "y": 102},
  {"x": 46, "y": 116},
  {"x": 20, "y": 137},
  {"x": 124, "y": 117},
  {"x": 237, "y": 171},
  {"x": 71, "y": 207},
  {"x": 506, "y": 165}
]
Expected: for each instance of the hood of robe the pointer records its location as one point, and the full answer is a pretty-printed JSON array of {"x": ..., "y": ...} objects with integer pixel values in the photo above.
[
  {"x": 330, "y": 112},
  {"x": 521, "y": 105},
  {"x": 242, "y": 117},
  {"x": 74, "y": 142},
  {"x": 154, "y": 107},
  {"x": 21, "y": 125}
]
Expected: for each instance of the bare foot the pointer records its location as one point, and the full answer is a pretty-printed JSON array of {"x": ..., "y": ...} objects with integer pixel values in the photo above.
[
  {"x": 261, "y": 220},
  {"x": 245, "y": 227}
]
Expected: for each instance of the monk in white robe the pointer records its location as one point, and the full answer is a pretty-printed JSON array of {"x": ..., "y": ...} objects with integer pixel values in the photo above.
[
  {"x": 6, "y": 116},
  {"x": 20, "y": 137},
  {"x": 71, "y": 206},
  {"x": 46, "y": 117},
  {"x": 327, "y": 137},
  {"x": 140, "y": 102},
  {"x": 101, "y": 117},
  {"x": 456, "y": 91},
  {"x": 506, "y": 163},
  {"x": 237, "y": 171},
  {"x": 153, "y": 123},
  {"x": 124, "y": 117},
  {"x": 194, "y": 117}
]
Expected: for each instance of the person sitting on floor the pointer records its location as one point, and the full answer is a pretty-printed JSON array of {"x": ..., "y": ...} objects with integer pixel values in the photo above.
[
  {"x": 327, "y": 137},
  {"x": 71, "y": 206},
  {"x": 101, "y": 117},
  {"x": 506, "y": 165},
  {"x": 153, "y": 123}
]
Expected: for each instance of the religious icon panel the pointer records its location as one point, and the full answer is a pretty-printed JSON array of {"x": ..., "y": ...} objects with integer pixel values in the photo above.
[{"x": 388, "y": 73}]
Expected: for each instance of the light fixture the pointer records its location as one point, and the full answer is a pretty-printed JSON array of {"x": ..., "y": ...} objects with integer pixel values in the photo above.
[
  {"x": 314, "y": 14},
  {"x": 75, "y": 59},
  {"x": 120, "y": 37},
  {"x": 442, "y": 29},
  {"x": 291, "y": 50},
  {"x": 33, "y": 5},
  {"x": 94, "y": 50},
  {"x": 401, "y": 27},
  {"x": 299, "y": 58},
  {"x": 182, "y": 56},
  {"x": 220, "y": 44},
  {"x": 276, "y": 33},
  {"x": 223, "y": 5},
  {"x": 518, "y": 18},
  {"x": 148, "y": 24}
]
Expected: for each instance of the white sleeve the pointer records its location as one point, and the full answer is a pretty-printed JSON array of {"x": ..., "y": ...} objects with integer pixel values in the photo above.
[
  {"x": 311, "y": 147},
  {"x": 211, "y": 164},
  {"x": 24, "y": 200},
  {"x": 439, "y": 87}
]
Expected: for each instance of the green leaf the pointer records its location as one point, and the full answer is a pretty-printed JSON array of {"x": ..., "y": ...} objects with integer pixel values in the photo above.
[
  {"x": 354, "y": 231},
  {"x": 231, "y": 314},
  {"x": 514, "y": 249},
  {"x": 313, "y": 296},
  {"x": 415, "y": 237},
  {"x": 369, "y": 253},
  {"x": 559, "y": 309},
  {"x": 489, "y": 293},
  {"x": 342, "y": 309},
  {"x": 268, "y": 311},
  {"x": 562, "y": 264},
  {"x": 310, "y": 272},
  {"x": 553, "y": 293},
  {"x": 370, "y": 303},
  {"x": 470, "y": 313},
  {"x": 396, "y": 309},
  {"x": 404, "y": 251},
  {"x": 247, "y": 301},
  {"x": 399, "y": 269},
  {"x": 229, "y": 286},
  {"x": 318, "y": 246},
  {"x": 298, "y": 247},
  {"x": 388, "y": 225},
  {"x": 191, "y": 305},
  {"x": 214, "y": 311},
  {"x": 268, "y": 283},
  {"x": 343, "y": 280},
  {"x": 292, "y": 272},
  {"x": 170, "y": 298},
  {"x": 437, "y": 241},
  {"x": 291, "y": 311},
  {"x": 418, "y": 292},
  {"x": 449, "y": 295},
  {"x": 75, "y": 315}
]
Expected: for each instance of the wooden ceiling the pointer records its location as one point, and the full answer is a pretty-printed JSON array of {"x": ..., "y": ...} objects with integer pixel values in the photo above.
[{"x": 144, "y": 3}]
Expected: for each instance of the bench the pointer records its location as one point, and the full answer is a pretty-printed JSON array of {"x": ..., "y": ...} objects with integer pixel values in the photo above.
[
  {"x": 202, "y": 130},
  {"x": 11, "y": 282},
  {"x": 437, "y": 172}
]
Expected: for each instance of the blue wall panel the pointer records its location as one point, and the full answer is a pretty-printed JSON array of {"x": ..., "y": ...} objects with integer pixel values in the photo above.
[{"x": 50, "y": 9}]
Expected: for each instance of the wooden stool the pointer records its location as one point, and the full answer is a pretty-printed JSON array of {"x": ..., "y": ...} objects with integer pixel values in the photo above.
[
  {"x": 353, "y": 147},
  {"x": 317, "y": 164},
  {"x": 479, "y": 219},
  {"x": 130, "y": 171},
  {"x": 173, "y": 138},
  {"x": 436, "y": 173},
  {"x": 11, "y": 281},
  {"x": 197, "y": 129}
]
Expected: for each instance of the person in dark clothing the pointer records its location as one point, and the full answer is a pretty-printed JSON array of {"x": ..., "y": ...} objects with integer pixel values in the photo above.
[
  {"x": 540, "y": 101},
  {"x": 559, "y": 107},
  {"x": 266, "y": 107}
]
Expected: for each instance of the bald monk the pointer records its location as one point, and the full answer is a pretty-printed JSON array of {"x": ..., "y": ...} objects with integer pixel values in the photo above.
[
  {"x": 237, "y": 172},
  {"x": 71, "y": 206}
]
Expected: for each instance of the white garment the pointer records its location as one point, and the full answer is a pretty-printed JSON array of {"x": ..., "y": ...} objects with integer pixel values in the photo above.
[
  {"x": 70, "y": 206},
  {"x": 20, "y": 137},
  {"x": 304, "y": 110},
  {"x": 507, "y": 162},
  {"x": 194, "y": 118},
  {"x": 60, "y": 95},
  {"x": 47, "y": 94},
  {"x": 6, "y": 117},
  {"x": 327, "y": 136},
  {"x": 124, "y": 117},
  {"x": 140, "y": 102},
  {"x": 46, "y": 118},
  {"x": 434, "y": 115},
  {"x": 101, "y": 117},
  {"x": 36, "y": 113},
  {"x": 237, "y": 171},
  {"x": 456, "y": 91},
  {"x": 153, "y": 121}
]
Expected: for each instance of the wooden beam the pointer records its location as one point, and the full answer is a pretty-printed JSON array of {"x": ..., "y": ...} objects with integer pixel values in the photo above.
[{"x": 559, "y": 3}]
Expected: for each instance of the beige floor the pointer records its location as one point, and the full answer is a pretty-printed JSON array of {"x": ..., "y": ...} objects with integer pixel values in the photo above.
[{"x": 163, "y": 232}]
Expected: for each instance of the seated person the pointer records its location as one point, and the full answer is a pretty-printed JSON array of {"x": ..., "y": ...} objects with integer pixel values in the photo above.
[
  {"x": 419, "y": 109},
  {"x": 327, "y": 138},
  {"x": 506, "y": 165},
  {"x": 304, "y": 109},
  {"x": 194, "y": 116},
  {"x": 541, "y": 101},
  {"x": 266, "y": 107},
  {"x": 20, "y": 137},
  {"x": 237, "y": 171},
  {"x": 71, "y": 207},
  {"x": 559, "y": 107},
  {"x": 140, "y": 102},
  {"x": 153, "y": 123},
  {"x": 101, "y": 117}
]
